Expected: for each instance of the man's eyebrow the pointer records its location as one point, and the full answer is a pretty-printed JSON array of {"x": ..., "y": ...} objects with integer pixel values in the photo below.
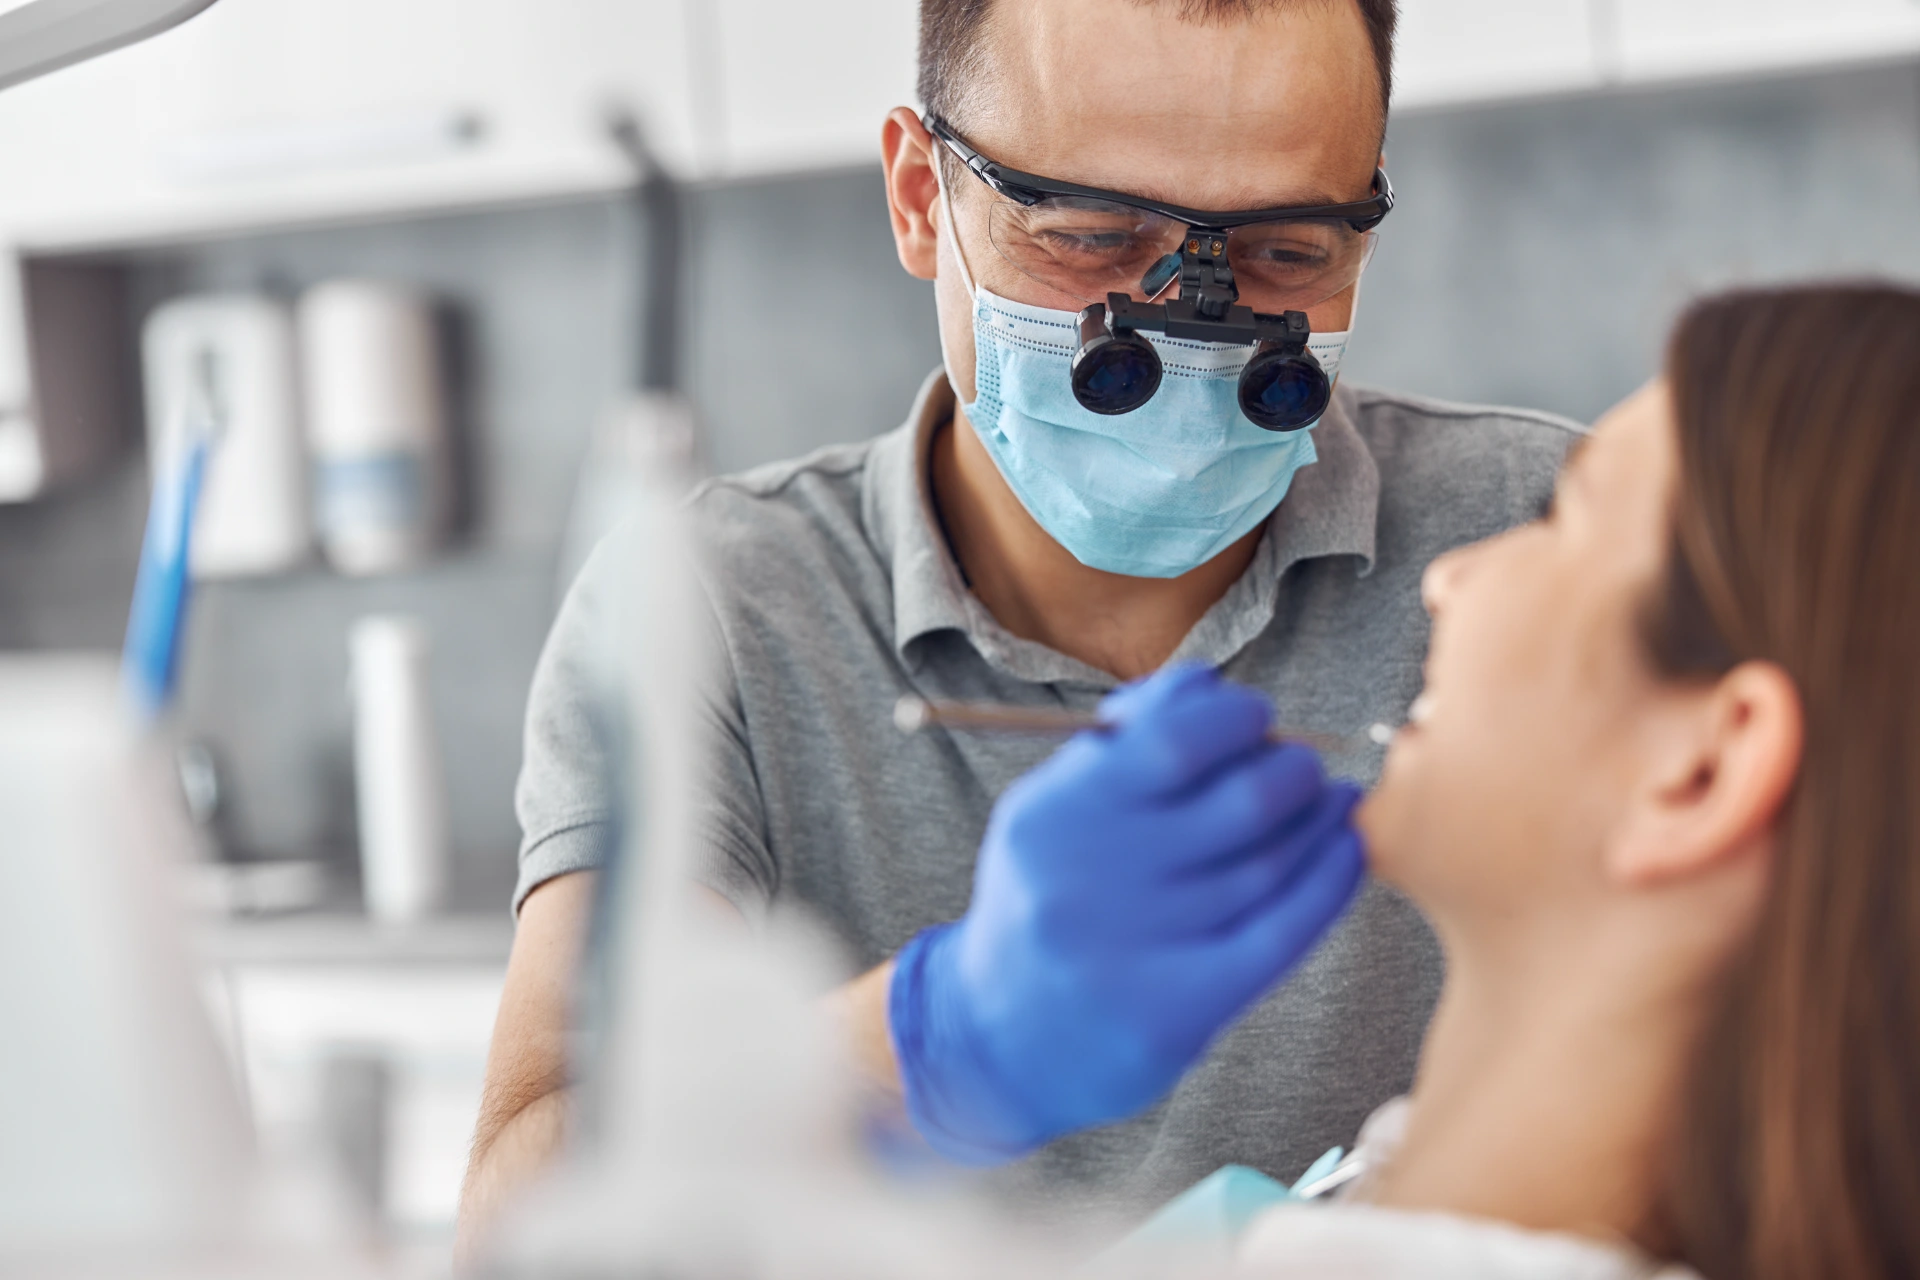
[{"x": 1252, "y": 198}]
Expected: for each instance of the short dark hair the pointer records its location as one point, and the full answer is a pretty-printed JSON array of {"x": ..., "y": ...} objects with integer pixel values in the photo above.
[{"x": 950, "y": 32}]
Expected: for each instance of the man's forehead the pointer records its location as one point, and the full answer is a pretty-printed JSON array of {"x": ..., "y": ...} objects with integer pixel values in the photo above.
[{"x": 1279, "y": 107}]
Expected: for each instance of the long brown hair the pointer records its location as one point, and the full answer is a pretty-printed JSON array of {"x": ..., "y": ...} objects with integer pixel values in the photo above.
[{"x": 1797, "y": 541}]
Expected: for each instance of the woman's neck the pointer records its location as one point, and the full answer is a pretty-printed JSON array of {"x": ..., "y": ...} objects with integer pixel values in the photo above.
[{"x": 1545, "y": 1088}]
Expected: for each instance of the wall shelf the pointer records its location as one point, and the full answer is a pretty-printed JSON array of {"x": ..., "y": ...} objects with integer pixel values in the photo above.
[{"x": 354, "y": 940}]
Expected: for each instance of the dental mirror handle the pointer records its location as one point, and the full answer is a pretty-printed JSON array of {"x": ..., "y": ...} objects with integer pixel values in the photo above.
[{"x": 913, "y": 715}]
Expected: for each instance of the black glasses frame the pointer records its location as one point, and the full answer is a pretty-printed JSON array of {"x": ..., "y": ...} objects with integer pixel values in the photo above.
[{"x": 1031, "y": 189}]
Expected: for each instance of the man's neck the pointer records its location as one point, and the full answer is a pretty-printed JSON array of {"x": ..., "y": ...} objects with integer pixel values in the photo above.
[
  {"x": 1544, "y": 1093},
  {"x": 1038, "y": 591}
]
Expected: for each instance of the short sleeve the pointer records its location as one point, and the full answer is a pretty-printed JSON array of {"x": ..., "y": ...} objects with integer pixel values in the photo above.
[
  {"x": 568, "y": 797},
  {"x": 733, "y": 856},
  {"x": 565, "y": 798}
]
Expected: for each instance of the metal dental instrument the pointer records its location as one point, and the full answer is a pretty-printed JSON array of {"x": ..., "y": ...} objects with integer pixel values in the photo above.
[
  {"x": 911, "y": 715},
  {"x": 1335, "y": 1178}
]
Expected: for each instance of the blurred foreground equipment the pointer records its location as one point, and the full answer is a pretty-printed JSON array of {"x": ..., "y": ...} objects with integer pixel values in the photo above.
[
  {"x": 126, "y": 1151},
  {"x": 723, "y": 1129},
  {"x": 117, "y": 1127}
]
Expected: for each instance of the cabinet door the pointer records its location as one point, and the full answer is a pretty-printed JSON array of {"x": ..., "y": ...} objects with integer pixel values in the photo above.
[
  {"x": 1467, "y": 50},
  {"x": 1669, "y": 38},
  {"x": 799, "y": 86},
  {"x": 268, "y": 111}
]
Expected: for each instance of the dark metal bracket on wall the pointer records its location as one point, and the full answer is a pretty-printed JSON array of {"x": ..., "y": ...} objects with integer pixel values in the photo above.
[{"x": 658, "y": 206}]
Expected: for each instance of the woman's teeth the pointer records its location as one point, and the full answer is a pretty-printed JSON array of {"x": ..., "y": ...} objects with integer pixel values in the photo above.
[{"x": 1383, "y": 734}]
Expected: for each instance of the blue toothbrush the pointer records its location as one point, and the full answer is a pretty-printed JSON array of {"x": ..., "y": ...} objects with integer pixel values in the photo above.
[{"x": 156, "y": 623}]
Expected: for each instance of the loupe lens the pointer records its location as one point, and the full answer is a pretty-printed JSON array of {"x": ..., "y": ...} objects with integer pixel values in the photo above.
[
  {"x": 1284, "y": 390},
  {"x": 1112, "y": 373}
]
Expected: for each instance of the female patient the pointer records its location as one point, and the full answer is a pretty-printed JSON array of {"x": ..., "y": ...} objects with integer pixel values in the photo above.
[{"x": 1661, "y": 801}]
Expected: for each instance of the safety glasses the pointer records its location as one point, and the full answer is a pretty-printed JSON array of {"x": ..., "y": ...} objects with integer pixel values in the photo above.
[{"x": 1089, "y": 243}]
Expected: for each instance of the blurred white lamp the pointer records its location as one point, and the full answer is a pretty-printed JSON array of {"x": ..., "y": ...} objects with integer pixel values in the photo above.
[
  {"x": 122, "y": 1129},
  {"x": 39, "y": 36}
]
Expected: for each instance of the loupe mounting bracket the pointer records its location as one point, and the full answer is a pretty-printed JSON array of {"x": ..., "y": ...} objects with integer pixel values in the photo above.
[
  {"x": 1115, "y": 370},
  {"x": 1240, "y": 326},
  {"x": 1208, "y": 307}
]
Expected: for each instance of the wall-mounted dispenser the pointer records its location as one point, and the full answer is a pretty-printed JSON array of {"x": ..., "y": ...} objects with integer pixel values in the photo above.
[
  {"x": 376, "y": 414},
  {"x": 238, "y": 351}
]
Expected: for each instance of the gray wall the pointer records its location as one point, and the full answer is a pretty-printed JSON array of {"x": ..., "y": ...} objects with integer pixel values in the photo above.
[
  {"x": 1537, "y": 256},
  {"x": 1541, "y": 250},
  {"x": 538, "y": 342}
]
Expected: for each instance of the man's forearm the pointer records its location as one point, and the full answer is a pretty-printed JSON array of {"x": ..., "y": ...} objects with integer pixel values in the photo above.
[
  {"x": 859, "y": 1012},
  {"x": 516, "y": 1153},
  {"x": 523, "y": 1106},
  {"x": 860, "y": 1008}
]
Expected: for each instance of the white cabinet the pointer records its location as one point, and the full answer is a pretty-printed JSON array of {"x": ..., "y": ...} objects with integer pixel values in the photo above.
[
  {"x": 1663, "y": 39},
  {"x": 426, "y": 1028},
  {"x": 263, "y": 113},
  {"x": 260, "y": 112},
  {"x": 292, "y": 995},
  {"x": 1459, "y": 51},
  {"x": 267, "y": 111},
  {"x": 1467, "y": 50},
  {"x": 801, "y": 86}
]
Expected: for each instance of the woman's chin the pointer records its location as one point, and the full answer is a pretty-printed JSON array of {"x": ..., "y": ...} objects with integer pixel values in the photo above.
[
  {"x": 1378, "y": 821},
  {"x": 1385, "y": 819}
]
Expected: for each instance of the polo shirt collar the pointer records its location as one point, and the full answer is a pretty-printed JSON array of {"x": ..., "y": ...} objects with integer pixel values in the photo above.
[{"x": 1331, "y": 510}]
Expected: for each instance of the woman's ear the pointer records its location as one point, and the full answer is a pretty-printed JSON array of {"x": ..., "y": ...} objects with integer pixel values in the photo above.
[
  {"x": 1720, "y": 767},
  {"x": 907, "y": 158}
]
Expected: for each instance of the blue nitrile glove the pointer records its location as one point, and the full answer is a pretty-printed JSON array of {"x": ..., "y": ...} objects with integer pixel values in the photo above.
[{"x": 1134, "y": 895}]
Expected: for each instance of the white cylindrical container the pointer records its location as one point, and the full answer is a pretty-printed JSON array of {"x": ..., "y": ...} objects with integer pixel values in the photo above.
[
  {"x": 404, "y": 852},
  {"x": 226, "y": 364},
  {"x": 376, "y": 418}
]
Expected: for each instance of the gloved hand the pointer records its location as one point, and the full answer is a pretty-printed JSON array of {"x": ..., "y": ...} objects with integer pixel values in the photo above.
[{"x": 1133, "y": 896}]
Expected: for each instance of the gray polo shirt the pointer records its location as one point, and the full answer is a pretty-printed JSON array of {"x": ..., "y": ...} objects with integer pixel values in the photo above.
[{"x": 835, "y": 593}]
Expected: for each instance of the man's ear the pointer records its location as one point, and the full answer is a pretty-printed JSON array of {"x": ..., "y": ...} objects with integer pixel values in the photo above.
[
  {"x": 913, "y": 190},
  {"x": 1720, "y": 768}
]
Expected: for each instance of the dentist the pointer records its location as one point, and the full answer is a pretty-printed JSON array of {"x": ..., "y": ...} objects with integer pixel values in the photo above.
[{"x": 1081, "y": 983}]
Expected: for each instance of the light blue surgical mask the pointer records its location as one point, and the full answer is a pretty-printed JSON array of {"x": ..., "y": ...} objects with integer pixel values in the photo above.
[{"x": 1154, "y": 493}]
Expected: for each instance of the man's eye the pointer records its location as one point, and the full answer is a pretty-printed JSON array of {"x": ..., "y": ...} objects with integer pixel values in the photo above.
[
  {"x": 1281, "y": 257},
  {"x": 1101, "y": 243}
]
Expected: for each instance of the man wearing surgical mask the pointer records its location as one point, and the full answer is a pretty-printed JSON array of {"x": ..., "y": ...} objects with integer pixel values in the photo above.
[{"x": 1077, "y": 979}]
